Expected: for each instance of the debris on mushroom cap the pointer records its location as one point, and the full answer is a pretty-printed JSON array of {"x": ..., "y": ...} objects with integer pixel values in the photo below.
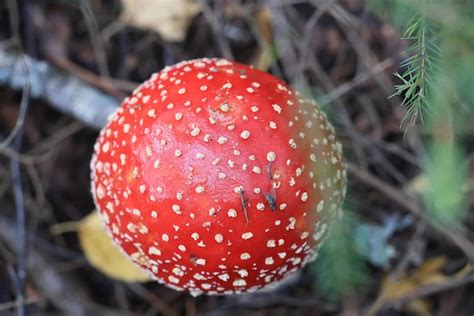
[{"x": 218, "y": 178}]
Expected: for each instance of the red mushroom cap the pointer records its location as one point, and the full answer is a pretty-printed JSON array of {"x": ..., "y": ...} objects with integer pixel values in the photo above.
[{"x": 217, "y": 178}]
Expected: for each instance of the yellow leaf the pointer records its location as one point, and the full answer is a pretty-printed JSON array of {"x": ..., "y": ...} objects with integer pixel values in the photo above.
[
  {"x": 103, "y": 254},
  {"x": 420, "y": 184},
  {"x": 419, "y": 307},
  {"x": 170, "y": 18},
  {"x": 429, "y": 267}
]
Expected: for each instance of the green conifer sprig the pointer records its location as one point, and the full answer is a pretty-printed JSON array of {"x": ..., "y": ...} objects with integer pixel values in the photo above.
[{"x": 420, "y": 68}]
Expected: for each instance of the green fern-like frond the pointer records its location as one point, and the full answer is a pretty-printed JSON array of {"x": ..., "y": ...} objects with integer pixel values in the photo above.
[{"x": 420, "y": 68}]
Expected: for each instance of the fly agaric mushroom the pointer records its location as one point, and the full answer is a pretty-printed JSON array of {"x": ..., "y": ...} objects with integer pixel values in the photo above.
[{"x": 217, "y": 178}]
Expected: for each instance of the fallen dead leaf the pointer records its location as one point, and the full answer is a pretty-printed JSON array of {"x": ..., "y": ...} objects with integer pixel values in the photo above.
[
  {"x": 428, "y": 273},
  {"x": 170, "y": 18},
  {"x": 103, "y": 254}
]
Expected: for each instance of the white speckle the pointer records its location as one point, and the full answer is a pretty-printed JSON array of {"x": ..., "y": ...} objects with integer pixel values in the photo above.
[
  {"x": 224, "y": 277},
  {"x": 247, "y": 235},
  {"x": 151, "y": 113},
  {"x": 283, "y": 206},
  {"x": 142, "y": 188},
  {"x": 154, "y": 214},
  {"x": 176, "y": 209},
  {"x": 292, "y": 143},
  {"x": 269, "y": 261},
  {"x": 304, "y": 197},
  {"x": 199, "y": 189},
  {"x": 238, "y": 189},
  {"x": 100, "y": 192},
  {"x": 177, "y": 153},
  {"x": 173, "y": 279},
  {"x": 219, "y": 238},
  {"x": 224, "y": 107},
  {"x": 277, "y": 108},
  {"x": 178, "y": 116},
  {"x": 221, "y": 175},
  {"x": 123, "y": 158},
  {"x": 232, "y": 213},
  {"x": 195, "y": 131},
  {"x": 320, "y": 206},
  {"x": 203, "y": 88},
  {"x": 292, "y": 223},
  {"x": 106, "y": 147},
  {"x": 256, "y": 170},
  {"x": 254, "y": 109},
  {"x": 222, "y": 140},
  {"x": 200, "y": 156},
  {"x": 299, "y": 172},
  {"x": 182, "y": 91},
  {"x": 156, "y": 164},
  {"x": 245, "y": 134},
  {"x": 206, "y": 286},
  {"x": 201, "y": 262},
  {"x": 212, "y": 211},
  {"x": 271, "y": 156},
  {"x": 260, "y": 206},
  {"x": 178, "y": 271},
  {"x": 243, "y": 273},
  {"x": 271, "y": 243},
  {"x": 245, "y": 256},
  {"x": 165, "y": 237},
  {"x": 154, "y": 251},
  {"x": 257, "y": 190},
  {"x": 148, "y": 151},
  {"x": 282, "y": 255},
  {"x": 126, "y": 128},
  {"x": 312, "y": 157},
  {"x": 273, "y": 125},
  {"x": 199, "y": 276},
  {"x": 239, "y": 282},
  {"x": 195, "y": 236}
]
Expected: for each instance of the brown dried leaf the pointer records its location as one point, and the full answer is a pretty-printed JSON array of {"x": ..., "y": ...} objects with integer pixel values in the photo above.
[{"x": 427, "y": 274}]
